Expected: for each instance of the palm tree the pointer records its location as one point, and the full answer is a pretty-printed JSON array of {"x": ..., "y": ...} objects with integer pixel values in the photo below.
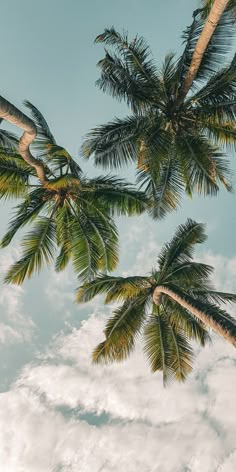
[
  {"x": 65, "y": 209},
  {"x": 174, "y": 146},
  {"x": 173, "y": 305}
]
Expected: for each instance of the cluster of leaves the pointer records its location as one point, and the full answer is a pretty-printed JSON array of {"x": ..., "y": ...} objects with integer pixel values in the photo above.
[
  {"x": 70, "y": 212},
  {"x": 167, "y": 328},
  {"x": 178, "y": 147}
]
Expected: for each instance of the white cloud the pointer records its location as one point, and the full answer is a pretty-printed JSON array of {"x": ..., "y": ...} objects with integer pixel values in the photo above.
[
  {"x": 186, "y": 427},
  {"x": 146, "y": 428}
]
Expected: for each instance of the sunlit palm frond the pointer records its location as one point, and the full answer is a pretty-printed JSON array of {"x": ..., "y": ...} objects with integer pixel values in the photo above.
[
  {"x": 116, "y": 288},
  {"x": 38, "y": 248},
  {"x": 25, "y": 213},
  {"x": 14, "y": 176},
  {"x": 121, "y": 332}
]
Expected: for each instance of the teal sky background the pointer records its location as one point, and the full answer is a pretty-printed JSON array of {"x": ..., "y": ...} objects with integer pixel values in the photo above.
[{"x": 48, "y": 57}]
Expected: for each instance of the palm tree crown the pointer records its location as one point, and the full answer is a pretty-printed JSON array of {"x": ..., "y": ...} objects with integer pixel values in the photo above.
[
  {"x": 66, "y": 211},
  {"x": 175, "y": 145},
  {"x": 172, "y": 306}
]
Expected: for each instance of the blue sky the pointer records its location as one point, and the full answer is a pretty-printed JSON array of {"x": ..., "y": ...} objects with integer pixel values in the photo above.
[{"x": 83, "y": 417}]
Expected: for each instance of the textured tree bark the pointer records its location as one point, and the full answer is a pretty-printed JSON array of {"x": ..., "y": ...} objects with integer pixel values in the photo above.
[
  {"x": 11, "y": 114},
  {"x": 214, "y": 16},
  {"x": 198, "y": 313}
]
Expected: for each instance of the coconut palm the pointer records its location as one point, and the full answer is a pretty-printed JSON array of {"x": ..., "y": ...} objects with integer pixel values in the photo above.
[
  {"x": 63, "y": 207},
  {"x": 172, "y": 306},
  {"x": 175, "y": 145}
]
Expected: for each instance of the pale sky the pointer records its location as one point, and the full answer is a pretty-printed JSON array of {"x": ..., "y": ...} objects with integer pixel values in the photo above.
[{"x": 58, "y": 412}]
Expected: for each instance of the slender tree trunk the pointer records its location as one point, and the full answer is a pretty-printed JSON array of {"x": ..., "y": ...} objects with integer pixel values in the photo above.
[
  {"x": 214, "y": 16},
  {"x": 10, "y": 113},
  {"x": 198, "y": 313}
]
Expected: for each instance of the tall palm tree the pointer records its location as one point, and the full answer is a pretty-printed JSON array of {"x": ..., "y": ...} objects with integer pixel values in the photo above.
[
  {"x": 175, "y": 146},
  {"x": 64, "y": 208},
  {"x": 173, "y": 305}
]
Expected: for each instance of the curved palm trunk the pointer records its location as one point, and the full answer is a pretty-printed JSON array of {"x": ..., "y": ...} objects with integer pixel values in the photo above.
[
  {"x": 10, "y": 113},
  {"x": 214, "y": 16},
  {"x": 198, "y": 313}
]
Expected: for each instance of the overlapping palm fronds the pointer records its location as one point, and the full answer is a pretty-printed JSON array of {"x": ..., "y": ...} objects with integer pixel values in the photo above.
[{"x": 166, "y": 308}]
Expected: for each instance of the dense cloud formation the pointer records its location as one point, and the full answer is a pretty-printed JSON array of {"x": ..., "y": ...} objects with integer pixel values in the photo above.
[
  {"x": 63, "y": 414},
  {"x": 49, "y": 419}
]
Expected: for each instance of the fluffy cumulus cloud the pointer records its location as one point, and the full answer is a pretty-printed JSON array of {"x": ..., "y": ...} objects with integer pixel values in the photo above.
[
  {"x": 15, "y": 325},
  {"x": 64, "y": 414},
  {"x": 146, "y": 428}
]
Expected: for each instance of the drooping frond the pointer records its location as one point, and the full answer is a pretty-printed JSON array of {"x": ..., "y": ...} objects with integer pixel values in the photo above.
[
  {"x": 189, "y": 274},
  {"x": 25, "y": 213},
  {"x": 165, "y": 190},
  {"x": 116, "y": 195},
  {"x": 136, "y": 54},
  {"x": 219, "y": 88},
  {"x": 94, "y": 242},
  {"x": 121, "y": 332},
  {"x": 180, "y": 248},
  {"x": 116, "y": 143},
  {"x": 38, "y": 247},
  {"x": 182, "y": 319},
  {"x": 64, "y": 223},
  {"x": 167, "y": 349},
  {"x": 8, "y": 140},
  {"x": 116, "y": 288},
  {"x": 203, "y": 164},
  {"x": 14, "y": 176}
]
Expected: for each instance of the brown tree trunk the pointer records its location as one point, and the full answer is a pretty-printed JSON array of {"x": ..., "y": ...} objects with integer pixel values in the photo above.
[
  {"x": 10, "y": 113},
  {"x": 198, "y": 313},
  {"x": 214, "y": 16}
]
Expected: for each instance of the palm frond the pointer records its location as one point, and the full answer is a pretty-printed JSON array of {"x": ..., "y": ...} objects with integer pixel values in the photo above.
[
  {"x": 44, "y": 135},
  {"x": 64, "y": 222},
  {"x": 188, "y": 273},
  {"x": 26, "y": 212},
  {"x": 8, "y": 140},
  {"x": 204, "y": 165},
  {"x": 136, "y": 54},
  {"x": 180, "y": 248},
  {"x": 163, "y": 185},
  {"x": 220, "y": 87},
  {"x": 116, "y": 143},
  {"x": 117, "y": 196},
  {"x": 122, "y": 331},
  {"x": 38, "y": 247},
  {"x": 14, "y": 176},
  {"x": 182, "y": 319},
  {"x": 116, "y": 288}
]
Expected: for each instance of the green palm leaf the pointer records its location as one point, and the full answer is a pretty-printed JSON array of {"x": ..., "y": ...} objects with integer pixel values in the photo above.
[
  {"x": 14, "y": 176},
  {"x": 117, "y": 288},
  {"x": 180, "y": 248},
  {"x": 121, "y": 331},
  {"x": 38, "y": 247},
  {"x": 25, "y": 213}
]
